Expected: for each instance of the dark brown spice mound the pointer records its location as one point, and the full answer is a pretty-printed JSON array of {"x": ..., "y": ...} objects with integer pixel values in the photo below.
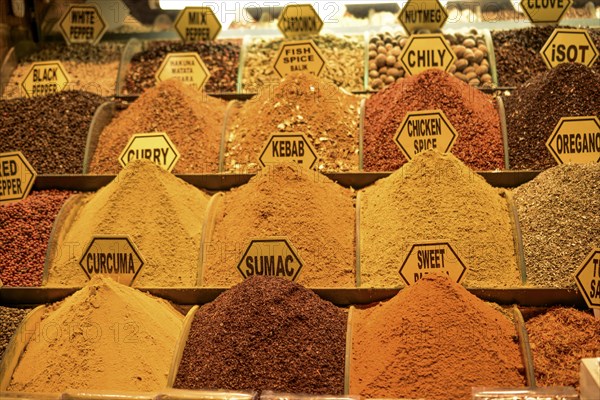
[
  {"x": 50, "y": 131},
  {"x": 559, "y": 339},
  {"x": 266, "y": 334},
  {"x": 533, "y": 111}
]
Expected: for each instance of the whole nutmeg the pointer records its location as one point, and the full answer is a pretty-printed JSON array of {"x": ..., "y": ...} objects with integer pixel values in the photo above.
[
  {"x": 372, "y": 65},
  {"x": 377, "y": 83},
  {"x": 396, "y": 51},
  {"x": 388, "y": 46},
  {"x": 459, "y": 50},
  {"x": 390, "y": 61},
  {"x": 372, "y": 46},
  {"x": 461, "y": 76},
  {"x": 474, "y": 82},
  {"x": 481, "y": 70},
  {"x": 380, "y": 60},
  {"x": 373, "y": 74},
  {"x": 395, "y": 72},
  {"x": 478, "y": 55},
  {"x": 452, "y": 69},
  {"x": 469, "y": 43},
  {"x": 372, "y": 54},
  {"x": 471, "y": 75},
  {"x": 483, "y": 48},
  {"x": 486, "y": 78},
  {"x": 381, "y": 50},
  {"x": 383, "y": 70},
  {"x": 398, "y": 65},
  {"x": 468, "y": 69},
  {"x": 403, "y": 42},
  {"x": 461, "y": 64},
  {"x": 469, "y": 56},
  {"x": 389, "y": 80}
]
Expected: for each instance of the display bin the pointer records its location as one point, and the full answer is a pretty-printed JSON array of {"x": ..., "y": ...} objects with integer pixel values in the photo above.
[
  {"x": 182, "y": 394},
  {"x": 29, "y": 396},
  {"x": 106, "y": 395}
]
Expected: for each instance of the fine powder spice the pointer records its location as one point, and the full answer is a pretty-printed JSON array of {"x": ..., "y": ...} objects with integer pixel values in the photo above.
[
  {"x": 91, "y": 68},
  {"x": 50, "y": 131},
  {"x": 559, "y": 215},
  {"x": 300, "y": 103},
  {"x": 162, "y": 214},
  {"x": 436, "y": 197},
  {"x": 313, "y": 212},
  {"x": 433, "y": 340},
  {"x": 105, "y": 336},
  {"x": 559, "y": 339},
  {"x": 471, "y": 112},
  {"x": 534, "y": 109},
  {"x": 266, "y": 334},
  {"x": 10, "y": 319},
  {"x": 25, "y": 229},
  {"x": 220, "y": 57},
  {"x": 193, "y": 123}
]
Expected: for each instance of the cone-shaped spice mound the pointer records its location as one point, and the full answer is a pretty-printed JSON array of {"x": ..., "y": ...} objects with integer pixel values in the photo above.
[
  {"x": 193, "y": 121},
  {"x": 314, "y": 213},
  {"x": 437, "y": 197},
  {"x": 472, "y": 113},
  {"x": 301, "y": 103},
  {"x": 559, "y": 214},
  {"x": 433, "y": 340},
  {"x": 266, "y": 334},
  {"x": 105, "y": 336},
  {"x": 162, "y": 214},
  {"x": 532, "y": 112}
]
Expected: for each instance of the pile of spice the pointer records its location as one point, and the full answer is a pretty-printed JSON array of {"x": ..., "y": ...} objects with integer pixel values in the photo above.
[
  {"x": 432, "y": 340},
  {"x": 50, "y": 131},
  {"x": 472, "y": 65},
  {"x": 162, "y": 215},
  {"x": 559, "y": 214},
  {"x": 313, "y": 212},
  {"x": 301, "y": 103},
  {"x": 533, "y": 111},
  {"x": 193, "y": 123},
  {"x": 122, "y": 339},
  {"x": 472, "y": 113},
  {"x": 10, "y": 319},
  {"x": 343, "y": 55},
  {"x": 493, "y": 12},
  {"x": 266, "y": 334},
  {"x": 559, "y": 339},
  {"x": 517, "y": 52},
  {"x": 25, "y": 229},
  {"x": 436, "y": 197},
  {"x": 91, "y": 68},
  {"x": 221, "y": 58}
]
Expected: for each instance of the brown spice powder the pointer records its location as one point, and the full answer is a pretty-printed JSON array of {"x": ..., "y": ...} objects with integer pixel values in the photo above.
[
  {"x": 313, "y": 212},
  {"x": 433, "y": 340},
  {"x": 105, "y": 336},
  {"x": 559, "y": 339},
  {"x": 194, "y": 123},
  {"x": 434, "y": 197},
  {"x": 300, "y": 103},
  {"x": 472, "y": 113},
  {"x": 266, "y": 334}
]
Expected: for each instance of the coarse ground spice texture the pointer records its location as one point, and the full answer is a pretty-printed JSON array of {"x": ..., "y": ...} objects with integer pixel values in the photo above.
[
  {"x": 534, "y": 109},
  {"x": 50, "y": 131},
  {"x": 559, "y": 215},
  {"x": 472, "y": 113},
  {"x": 300, "y": 103},
  {"x": 313, "y": 212},
  {"x": 437, "y": 197},
  {"x": 266, "y": 334},
  {"x": 105, "y": 336},
  {"x": 433, "y": 340},
  {"x": 10, "y": 319},
  {"x": 162, "y": 214},
  {"x": 24, "y": 234},
  {"x": 559, "y": 339},
  {"x": 193, "y": 122}
]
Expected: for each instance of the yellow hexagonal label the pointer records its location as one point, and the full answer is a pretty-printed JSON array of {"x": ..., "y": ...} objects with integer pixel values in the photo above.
[
  {"x": 569, "y": 45},
  {"x": 575, "y": 140},
  {"x": 82, "y": 23},
  {"x": 45, "y": 78},
  {"x": 432, "y": 257},
  {"x": 16, "y": 177},
  {"x": 272, "y": 256},
  {"x": 298, "y": 56},
  {"x": 545, "y": 11},
  {"x": 186, "y": 67},
  {"x": 422, "y": 14},
  {"x": 115, "y": 256},
  {"x": 195, "y": 24},
  {"x": 424, "y": 130},
  {"x": 299, "y": 20},
  {"x": 588, "y": 278},
  {"x": 156, "y": 147},
  {"x": 426, "y": 51},
  {"x": 288, "y": 147}
]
